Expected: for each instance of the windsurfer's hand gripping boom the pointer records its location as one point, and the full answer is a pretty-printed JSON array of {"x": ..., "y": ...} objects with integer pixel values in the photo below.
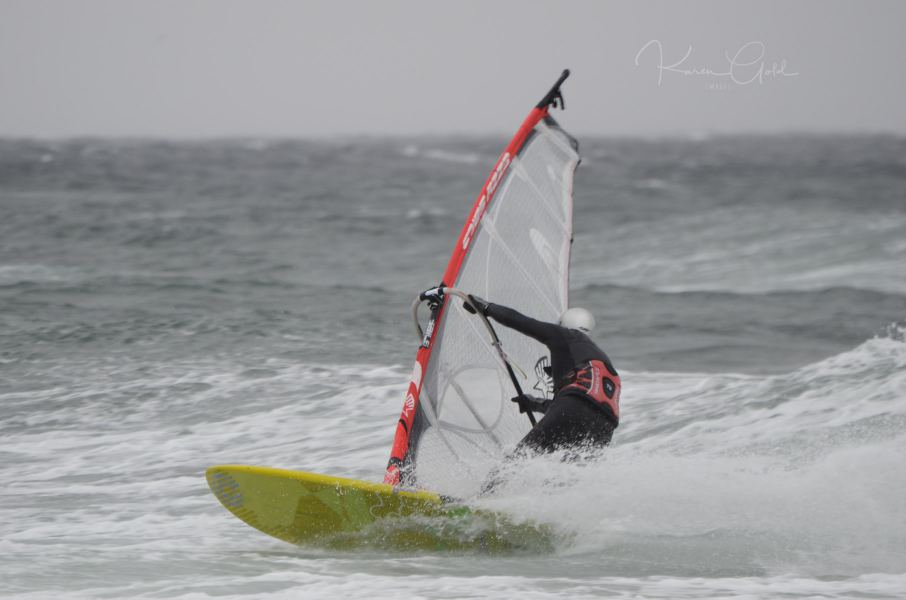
[
  {"x": 435, "y": 298},
  {"x": 531, "y": 403},
  {"x": 476, "y": 304}
]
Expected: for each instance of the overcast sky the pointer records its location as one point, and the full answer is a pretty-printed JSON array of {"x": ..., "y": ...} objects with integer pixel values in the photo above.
[{"x": 182, "y": 68}]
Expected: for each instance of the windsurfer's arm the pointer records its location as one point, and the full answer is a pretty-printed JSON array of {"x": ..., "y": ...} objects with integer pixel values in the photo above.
[
  {"x": 531, "y": 403},
  {"x": 546, "y": 333}
]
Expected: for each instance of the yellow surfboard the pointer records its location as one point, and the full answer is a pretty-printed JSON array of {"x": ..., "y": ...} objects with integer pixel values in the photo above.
[{"x": 312, "y": 509}]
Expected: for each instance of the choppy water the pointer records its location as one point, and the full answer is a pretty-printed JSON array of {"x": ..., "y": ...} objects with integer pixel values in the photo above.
[{"x": 166, "y": 307}]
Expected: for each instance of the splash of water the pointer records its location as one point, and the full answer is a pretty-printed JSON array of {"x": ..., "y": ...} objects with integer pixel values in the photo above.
[{"x": 739, "y": 475}]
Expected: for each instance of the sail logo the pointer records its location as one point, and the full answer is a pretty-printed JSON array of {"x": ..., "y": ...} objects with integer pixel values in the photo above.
[
  {"x": 493, "y": 182},
  {"x": 409, "y": 405},
  {"x": 545, "y": 383},
  {"x": 467, "y": 239},
  {"x": 497, "y": 176},
  {"x": 429, "y": 331},
  {"x": 414, "y": 382},
  {"x": 544, "y": 250}
]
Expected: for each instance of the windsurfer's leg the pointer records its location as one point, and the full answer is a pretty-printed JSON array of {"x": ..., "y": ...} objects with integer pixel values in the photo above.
[{"x": 570, "y": 421}]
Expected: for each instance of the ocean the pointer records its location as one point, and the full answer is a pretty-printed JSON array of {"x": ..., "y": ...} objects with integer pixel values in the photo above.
[{"x": 168, "y": 306}]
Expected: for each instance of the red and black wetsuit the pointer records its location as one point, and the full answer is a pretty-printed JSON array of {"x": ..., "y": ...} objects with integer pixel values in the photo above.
[{"x": 586, "y": 405}]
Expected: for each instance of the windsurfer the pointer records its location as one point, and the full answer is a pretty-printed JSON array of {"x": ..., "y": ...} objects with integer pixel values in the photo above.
[{"x": 585, "y": 408}]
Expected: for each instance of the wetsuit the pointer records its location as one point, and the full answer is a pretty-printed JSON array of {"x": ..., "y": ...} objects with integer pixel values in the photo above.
[{"x": 585, "y": 408}]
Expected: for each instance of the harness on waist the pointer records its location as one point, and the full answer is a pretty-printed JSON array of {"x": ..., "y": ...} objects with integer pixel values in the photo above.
[{"x": 596, "y": 381}]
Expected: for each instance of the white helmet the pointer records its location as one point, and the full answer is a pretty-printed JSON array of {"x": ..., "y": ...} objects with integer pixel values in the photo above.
[{"x": 578, "y": 318}]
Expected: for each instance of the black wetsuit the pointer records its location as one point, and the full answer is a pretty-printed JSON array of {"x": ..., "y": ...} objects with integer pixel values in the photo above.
[{"x": 585, "y": 408}]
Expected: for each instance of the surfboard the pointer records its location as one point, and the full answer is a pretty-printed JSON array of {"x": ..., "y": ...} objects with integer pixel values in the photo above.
[{"x": 335, "y": 512}]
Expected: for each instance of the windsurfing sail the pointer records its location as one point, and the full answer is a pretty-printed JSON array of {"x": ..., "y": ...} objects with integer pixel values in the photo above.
[{"x": 457, "y": 421}]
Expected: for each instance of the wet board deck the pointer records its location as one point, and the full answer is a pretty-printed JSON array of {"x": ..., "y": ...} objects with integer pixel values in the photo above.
[{"x": 312, "y": 509}]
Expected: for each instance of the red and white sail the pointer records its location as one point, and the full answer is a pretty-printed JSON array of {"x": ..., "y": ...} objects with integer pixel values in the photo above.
[{"x": 457, "y": 421}]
